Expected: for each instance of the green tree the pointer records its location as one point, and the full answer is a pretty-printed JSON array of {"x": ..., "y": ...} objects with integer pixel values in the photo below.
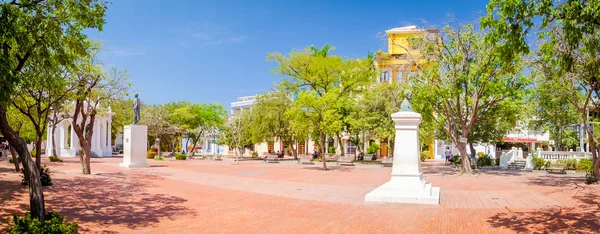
[
  {"x": 123, "y": 110},
  {"x": 199, "y": 119},
  {"x": 22, "y": 127},
  {"x": 272, "y": 118},
  {"x": 320, "y": 83},
  {"x": 570, "y": 139},
  {"x": 95, "y": 90},
  {"x": 466, "y": 81},
  {"x": 46, "y": 87},
  {"x": 554, "y": 109},
  {"x": 157, "y": 117},
  {"x": 31, "y": 30},
  {"x": 571, "y": 31},
  {"x": 236, "y": 132}
]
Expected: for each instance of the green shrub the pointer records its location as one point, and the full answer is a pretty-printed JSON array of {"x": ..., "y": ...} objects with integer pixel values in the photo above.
[
  {"x": 254, "y": 154},
  {"x": 331, "y": 150},
  {"x": 158, "y": 158},
  {"x": 44, "y": 176},
  {"x": 150, "y": 154},
  {"x": 456, "y": 160},
  {"x": 10, "y": 160},
  {"x": 32, "y": 153},
  {"x": 480, "y": 154},
  {"x": 538, "y": 163},
  {"x": 484, "y": 160},
  {"x": 55, "y": 159},
  {"x": 585, "y": 165},
  {"x": 54, "y": 224},
  {"x": 373, "y": 148},
  {"x": 180, "y": 157},
  {"x": 571, "y": 164},
  {"x": 497, "y": 161},
  {"x": 424, "y": 155}
]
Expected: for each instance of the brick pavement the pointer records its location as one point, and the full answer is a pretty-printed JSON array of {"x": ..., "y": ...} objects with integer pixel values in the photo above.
[{"x": 201, "y": 196}]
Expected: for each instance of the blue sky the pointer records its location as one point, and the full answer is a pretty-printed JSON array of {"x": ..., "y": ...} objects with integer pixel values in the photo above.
[{"x": 215, "y": 51}]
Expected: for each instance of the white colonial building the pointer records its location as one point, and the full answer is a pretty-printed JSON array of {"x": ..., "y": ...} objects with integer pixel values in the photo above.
[{"x": 66, "y": 140}]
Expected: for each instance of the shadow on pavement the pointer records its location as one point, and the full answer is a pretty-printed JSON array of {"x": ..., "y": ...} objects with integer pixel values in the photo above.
[
  {"x": 113, "y": 199},
  {"x": 582, "y": 219}
]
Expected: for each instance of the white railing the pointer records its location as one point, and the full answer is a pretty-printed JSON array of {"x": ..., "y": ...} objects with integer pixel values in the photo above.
[
  {"x": 562, "y": 155},
  {"x": 510, "y": 156}
]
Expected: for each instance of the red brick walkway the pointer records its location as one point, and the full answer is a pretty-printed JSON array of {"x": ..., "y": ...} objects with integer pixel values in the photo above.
[{"x": 201, "y": 196}]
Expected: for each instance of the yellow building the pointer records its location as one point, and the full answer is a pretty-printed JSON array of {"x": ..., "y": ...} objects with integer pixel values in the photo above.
[
  {"x": 402, "y": 58},
  {"x": 404, "y": 54}
]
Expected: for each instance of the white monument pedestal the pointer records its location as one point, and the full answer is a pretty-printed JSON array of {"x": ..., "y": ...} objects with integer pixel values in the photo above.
[
  {"x": 407, "y": 184},
  {"x": 135, "y": 143}
]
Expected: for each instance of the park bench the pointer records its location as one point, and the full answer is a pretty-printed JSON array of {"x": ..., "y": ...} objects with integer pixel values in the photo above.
[
  {"x": 387, "y": 162},
  {"x": 271, "y": 158},
  {"x": 305, "y": 159},
  {"x": 344, "y": 160},
  {"x": 368, "y": 157},
  {"x": 205, "y": 156},
  {"x": 557, "y": 168},
  {"x": 217, "y": 157}
]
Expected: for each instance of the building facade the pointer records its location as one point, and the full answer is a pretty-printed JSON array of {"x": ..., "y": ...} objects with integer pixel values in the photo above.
[{"x": 66, "y": 141}]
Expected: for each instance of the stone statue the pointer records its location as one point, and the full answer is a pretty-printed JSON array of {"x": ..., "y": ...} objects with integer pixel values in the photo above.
[
  {"x": 136, "y": 110},
  {"x": 405, "y": 106}
]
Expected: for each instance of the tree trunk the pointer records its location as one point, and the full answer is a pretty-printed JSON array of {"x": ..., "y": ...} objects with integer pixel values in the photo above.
[
  {"x": 32, "y": 173},
  {"x": 341, "y": 144},
  {"x": 15, "y": 159},
  {"x": 194, "y": 146},
  {"x": 84, "y": 156},
  {"x": 295, "y": 150},
  {"x": 38, "y": 149},
  {"x": 592, "y": 144},
  {"x": 53, "y": 140},
  {"x": 473, "y": 153},
  {"x": 322, "y": 149},
  {"x": 558, "y": 138},
  {"x": 464, "y": 157}
]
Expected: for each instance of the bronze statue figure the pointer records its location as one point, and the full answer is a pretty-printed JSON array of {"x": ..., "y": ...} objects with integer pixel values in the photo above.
[
  {"x": 405, "y": 106},
  {"x": 136, "y": 110}
]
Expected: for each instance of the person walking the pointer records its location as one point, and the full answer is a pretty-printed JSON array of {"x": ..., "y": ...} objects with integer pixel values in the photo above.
[{"x": 448, "y": 154}]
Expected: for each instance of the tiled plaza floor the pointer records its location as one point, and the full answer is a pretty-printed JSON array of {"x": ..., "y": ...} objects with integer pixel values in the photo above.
[{"x": 202, "y": 196}]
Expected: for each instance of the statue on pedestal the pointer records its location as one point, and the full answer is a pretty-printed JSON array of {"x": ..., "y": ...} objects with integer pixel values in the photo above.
[
  {"x": 405, "y": 106},
  {"x": 136, "y": 110}
]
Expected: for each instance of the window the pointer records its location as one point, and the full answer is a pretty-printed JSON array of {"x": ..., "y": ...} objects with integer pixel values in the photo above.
[
  {"x": 350, "y": 148},
  {"x": 385, "y": 76},
  {"x": 400, "y": 76}
]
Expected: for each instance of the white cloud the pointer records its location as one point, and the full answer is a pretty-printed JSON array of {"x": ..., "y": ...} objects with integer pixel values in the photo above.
[{"x": 211, "y": 34}]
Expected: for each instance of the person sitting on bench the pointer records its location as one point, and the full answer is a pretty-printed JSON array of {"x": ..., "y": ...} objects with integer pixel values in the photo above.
[{"x": 361, "y": 156}]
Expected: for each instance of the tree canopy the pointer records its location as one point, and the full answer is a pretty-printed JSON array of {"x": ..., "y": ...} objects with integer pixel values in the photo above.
[
  {"x": 467, "y": 86},
  {"x": 321, "y": 82}
]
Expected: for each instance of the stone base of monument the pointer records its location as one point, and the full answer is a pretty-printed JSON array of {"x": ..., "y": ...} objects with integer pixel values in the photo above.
[
  {"x": 407, "y": 184},
  {"x": 135, "y": 143},
  {"x": 405, "y": 189}
]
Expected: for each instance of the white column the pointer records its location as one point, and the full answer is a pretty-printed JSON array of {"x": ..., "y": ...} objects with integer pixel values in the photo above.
[
  {"x": 407, "y": 184},
  {"x": 109, "y": 135},
  {"x": 73, "y": 139},
  {"x": 49, "y": 140},
  {"x": 61, "y": 136},
  {"x": 102, "y": 128}
]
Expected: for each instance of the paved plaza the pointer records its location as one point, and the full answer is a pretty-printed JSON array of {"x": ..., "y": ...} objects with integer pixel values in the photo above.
[{"x": 203, "y": 196}]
